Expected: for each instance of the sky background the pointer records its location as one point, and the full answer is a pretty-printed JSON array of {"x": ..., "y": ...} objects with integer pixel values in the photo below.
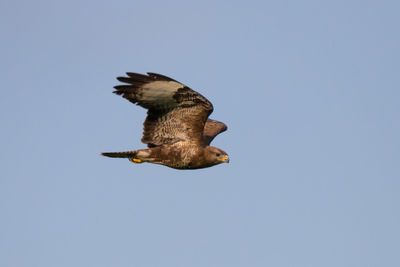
[{"x": 310, "y": 92}]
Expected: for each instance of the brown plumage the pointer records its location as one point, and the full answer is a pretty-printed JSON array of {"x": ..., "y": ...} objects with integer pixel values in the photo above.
[{"x": 177, "y": 130}]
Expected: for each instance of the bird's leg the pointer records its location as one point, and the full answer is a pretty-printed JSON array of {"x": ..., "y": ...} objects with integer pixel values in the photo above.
[
  {"x": 136, "y": 160},
  {"x": 142, "y": 155}
]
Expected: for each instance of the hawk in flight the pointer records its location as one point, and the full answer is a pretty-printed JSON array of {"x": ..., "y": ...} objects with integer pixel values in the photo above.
[{"x": 177, "y": 130}]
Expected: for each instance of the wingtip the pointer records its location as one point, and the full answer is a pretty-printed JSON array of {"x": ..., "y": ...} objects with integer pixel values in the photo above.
[
  {"x": 119, "y": 89},
  {"x": 157, "y": 76},
  {"x": 125, "y": 79}
]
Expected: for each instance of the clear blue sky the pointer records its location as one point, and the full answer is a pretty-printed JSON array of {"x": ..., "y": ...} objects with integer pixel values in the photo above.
[{"x": 310, "y": 92}]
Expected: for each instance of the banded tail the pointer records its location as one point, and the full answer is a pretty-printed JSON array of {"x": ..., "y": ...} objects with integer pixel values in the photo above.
[
  {"x": 126, "y": 154},
  {"x": 135, "y": 156}
]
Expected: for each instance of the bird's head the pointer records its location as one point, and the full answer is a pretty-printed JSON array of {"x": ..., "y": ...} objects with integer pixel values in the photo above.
[{"x": 216, "y": 155}]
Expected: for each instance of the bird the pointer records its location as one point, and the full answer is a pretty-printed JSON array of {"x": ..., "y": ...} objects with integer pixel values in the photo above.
[{"x": 177, "y": 130}]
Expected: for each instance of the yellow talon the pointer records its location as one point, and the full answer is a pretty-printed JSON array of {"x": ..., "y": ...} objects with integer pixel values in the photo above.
[{"x": 135, "y": 160}]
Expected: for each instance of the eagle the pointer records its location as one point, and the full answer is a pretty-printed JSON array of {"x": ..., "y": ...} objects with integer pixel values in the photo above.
[{"x": 177, "y": 129}]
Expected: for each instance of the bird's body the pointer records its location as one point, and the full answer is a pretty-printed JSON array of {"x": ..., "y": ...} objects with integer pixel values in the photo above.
[{"x": 177, "y": 129}]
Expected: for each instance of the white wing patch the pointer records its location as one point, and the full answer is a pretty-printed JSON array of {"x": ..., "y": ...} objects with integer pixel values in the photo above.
[{"x": 160, "y": 91}]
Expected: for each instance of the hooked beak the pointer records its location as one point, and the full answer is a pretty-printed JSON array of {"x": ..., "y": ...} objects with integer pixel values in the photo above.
[{"x": 226, "y": 159}]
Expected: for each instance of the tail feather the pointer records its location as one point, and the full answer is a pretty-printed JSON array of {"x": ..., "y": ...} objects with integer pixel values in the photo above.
[{"x": 126, "y": 154}]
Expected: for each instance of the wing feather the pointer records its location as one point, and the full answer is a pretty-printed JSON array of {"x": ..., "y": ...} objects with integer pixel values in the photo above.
[
  {"x": 175, "y": 112},
  {"x": 211, "y": 129}
]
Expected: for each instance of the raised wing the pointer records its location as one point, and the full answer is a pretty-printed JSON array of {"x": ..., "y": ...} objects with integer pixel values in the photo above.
[
  {"x": 211, "y": 129},
  {"x": 175, "y": 112}
]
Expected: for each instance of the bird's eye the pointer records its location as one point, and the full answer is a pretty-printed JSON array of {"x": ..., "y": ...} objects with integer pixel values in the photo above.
[{"x": 218, "y": 154}]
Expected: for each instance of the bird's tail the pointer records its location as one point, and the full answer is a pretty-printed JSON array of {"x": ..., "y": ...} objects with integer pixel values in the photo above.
[
  {"x": 135, "y": 156},
  {"x": 126, "y": 154}
]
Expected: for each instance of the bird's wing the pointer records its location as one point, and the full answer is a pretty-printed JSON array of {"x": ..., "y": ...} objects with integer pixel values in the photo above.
[
  {"x": 211, "y": 129},
  {"x": 175, "y": 112}
]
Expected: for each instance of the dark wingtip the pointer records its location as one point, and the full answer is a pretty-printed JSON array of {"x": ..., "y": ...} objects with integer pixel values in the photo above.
[
  {"x": 161, "y": 77},
  {"x": 125, "y": 79},
  {"x": 120, "y": 89},
  {"x": 137, "y": 77}
]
